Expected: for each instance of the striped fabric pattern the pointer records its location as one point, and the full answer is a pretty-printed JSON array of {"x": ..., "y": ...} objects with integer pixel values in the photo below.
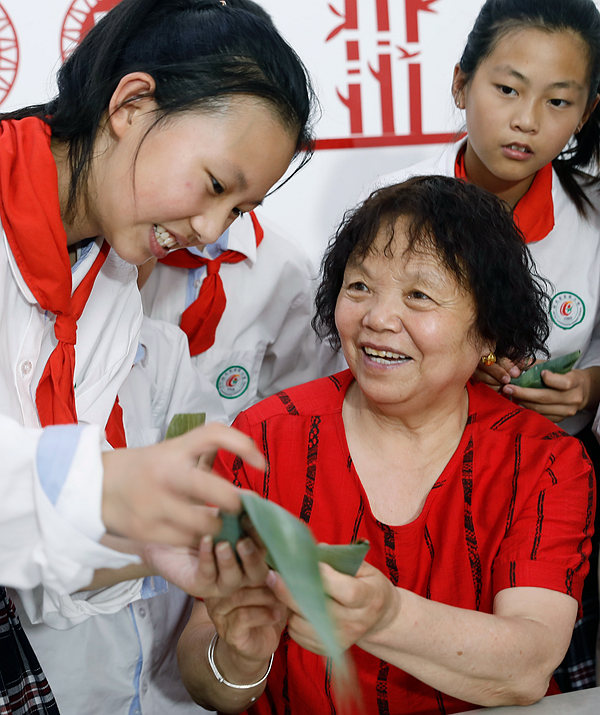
[
  {"x": 513, "y": 507},
  {"x": 23, "y": 688}
]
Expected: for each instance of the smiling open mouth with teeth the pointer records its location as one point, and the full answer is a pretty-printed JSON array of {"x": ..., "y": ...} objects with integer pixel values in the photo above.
[
  {"x": 522, "y": 149},
  {"x": 385, "y": 357},
  {"x": 164, "y": 238}
]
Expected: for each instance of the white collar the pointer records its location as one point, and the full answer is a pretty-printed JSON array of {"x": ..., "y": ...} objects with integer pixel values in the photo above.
[{"x": 240, "y": 237}]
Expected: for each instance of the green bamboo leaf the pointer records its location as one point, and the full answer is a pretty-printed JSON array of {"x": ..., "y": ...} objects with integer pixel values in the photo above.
[
  {"x": 345, "y": 558},
  {"x": 232, "y": 530},
  {"x": 184, "y": 422},
  {"x": 533, "y": 376},
  {"x": 293, "y": 553}
]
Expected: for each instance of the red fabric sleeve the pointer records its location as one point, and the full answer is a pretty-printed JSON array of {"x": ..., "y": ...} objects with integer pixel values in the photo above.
[{"x": 549, "y": 542}]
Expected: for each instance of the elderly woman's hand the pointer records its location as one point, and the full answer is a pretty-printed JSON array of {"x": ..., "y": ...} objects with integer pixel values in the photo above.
[
  {"x": 360, "y": 606},
  {"x": 249, "y": 624},
  {"x": 209, "y": 571},
  {"x": 562, "y": 396}
]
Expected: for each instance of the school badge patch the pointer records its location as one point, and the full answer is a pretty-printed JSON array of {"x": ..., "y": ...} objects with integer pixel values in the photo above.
[
  {"x": 233, "y": 382},
  {"x": 567, "y": 310}
]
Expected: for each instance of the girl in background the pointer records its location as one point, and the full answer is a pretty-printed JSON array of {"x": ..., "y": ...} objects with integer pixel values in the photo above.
[{"x": 528, "y": 81}]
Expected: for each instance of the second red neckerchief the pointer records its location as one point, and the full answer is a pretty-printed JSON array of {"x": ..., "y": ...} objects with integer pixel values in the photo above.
[{"x": 200, "y": 319}]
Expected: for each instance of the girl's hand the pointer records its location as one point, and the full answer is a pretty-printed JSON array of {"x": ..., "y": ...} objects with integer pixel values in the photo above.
[
  {"x": 498, "y": 374},
  {"x": 159, "y": 493},
  {"x": 563, "y": 396},
  {"x": 361, "y": 605},
  {"x": 249, "y": 623},
  {"x": 209, "y": 572}
]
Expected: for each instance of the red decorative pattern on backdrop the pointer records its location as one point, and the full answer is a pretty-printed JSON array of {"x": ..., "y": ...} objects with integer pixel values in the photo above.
[
  {"x": 378, "y": 45},
  {"x": 386, "y": 62},
  {"x": 81, "y": 16},
  {"x": 9, "y": 54}
]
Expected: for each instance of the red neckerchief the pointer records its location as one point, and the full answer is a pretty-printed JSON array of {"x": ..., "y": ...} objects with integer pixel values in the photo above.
[
  {"x": 534, "y": 213},
  {"x": 30, "y": 214},
  {"x": 200, "y": 319}
]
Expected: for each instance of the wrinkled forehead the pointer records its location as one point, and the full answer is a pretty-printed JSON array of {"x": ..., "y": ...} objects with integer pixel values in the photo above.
[
  {"x": 398, "y": 240},
  {"x": 410, "y": 249}
]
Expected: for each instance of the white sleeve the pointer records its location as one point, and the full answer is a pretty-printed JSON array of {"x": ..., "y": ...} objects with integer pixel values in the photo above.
[
  {"x": 296, "y": 355},
  {"x": 49, "y": 529}
]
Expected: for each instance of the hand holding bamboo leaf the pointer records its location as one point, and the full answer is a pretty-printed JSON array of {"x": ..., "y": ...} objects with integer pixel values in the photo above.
[
  {"x": 209, "y": 571},
  {"x": 249, "y": 624},
  {"x": 555, "y": 389},
  {"x": 291, "y": 550},
  {"x": 532, "y": 377},
  {"x": 360, "y": 605},
  {"x": 160, "y": 493}
]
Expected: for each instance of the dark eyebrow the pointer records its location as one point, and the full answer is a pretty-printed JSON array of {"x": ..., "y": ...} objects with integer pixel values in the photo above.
[
  {"x": 241, "y": 180},
  {"x": 512, "y": 71},
  {"x": 243, "y": 185},
  {"x": 564, "y": 84}
]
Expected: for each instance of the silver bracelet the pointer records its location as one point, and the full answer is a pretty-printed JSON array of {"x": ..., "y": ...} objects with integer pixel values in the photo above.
[{"x": 211, "y": 661}]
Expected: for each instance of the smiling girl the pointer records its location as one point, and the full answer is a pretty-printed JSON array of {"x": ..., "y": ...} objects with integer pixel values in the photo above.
[
  {"x": 172, "y": 118},
  {"x": 528, "y": 83}
]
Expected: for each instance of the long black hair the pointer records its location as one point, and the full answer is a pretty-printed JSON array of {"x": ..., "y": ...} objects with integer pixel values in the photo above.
[
  {"x": 472, "y": 233},
  {"x": 199, "y": 52},
  {"x": 498, "y": 17}
]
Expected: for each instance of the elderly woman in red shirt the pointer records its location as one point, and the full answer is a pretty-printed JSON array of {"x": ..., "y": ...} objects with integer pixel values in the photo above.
[{"x": 478, "y": 512}]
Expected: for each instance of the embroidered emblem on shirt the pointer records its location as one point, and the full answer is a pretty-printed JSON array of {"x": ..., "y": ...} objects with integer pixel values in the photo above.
[
  {"x": 567, "y": 310},
  {"x": 233, "y": 382}
]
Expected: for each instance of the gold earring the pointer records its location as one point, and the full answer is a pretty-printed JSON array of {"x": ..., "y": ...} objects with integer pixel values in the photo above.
[{"x": 488, "y": 359}]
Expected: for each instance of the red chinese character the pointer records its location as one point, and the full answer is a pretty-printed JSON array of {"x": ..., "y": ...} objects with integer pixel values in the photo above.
[
  {"x": 350, "y": 18},
  {"x": 413, "y": 8},
  {"x": 383, "y": 75},
  {"x": 383, "y": 16},
  {"x": 354, "y": 104}
]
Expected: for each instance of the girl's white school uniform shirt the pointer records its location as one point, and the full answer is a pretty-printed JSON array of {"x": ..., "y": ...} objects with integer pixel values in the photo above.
[
  {"x": 125, "y": 663},
  {"x": 264, "y": 342},
  {"x": 107, "y": 338},
  {"x": 569, "y": 257},
  {"x": 162, "y": 383}
]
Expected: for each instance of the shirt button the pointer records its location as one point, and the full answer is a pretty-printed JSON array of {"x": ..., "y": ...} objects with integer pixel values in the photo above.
[
  {"x": 142, "y": 612},
  {"x": 26, "y": 367}
]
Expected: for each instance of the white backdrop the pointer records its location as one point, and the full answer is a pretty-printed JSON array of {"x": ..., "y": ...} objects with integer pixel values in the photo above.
[{"x": 382, "y": 70}]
